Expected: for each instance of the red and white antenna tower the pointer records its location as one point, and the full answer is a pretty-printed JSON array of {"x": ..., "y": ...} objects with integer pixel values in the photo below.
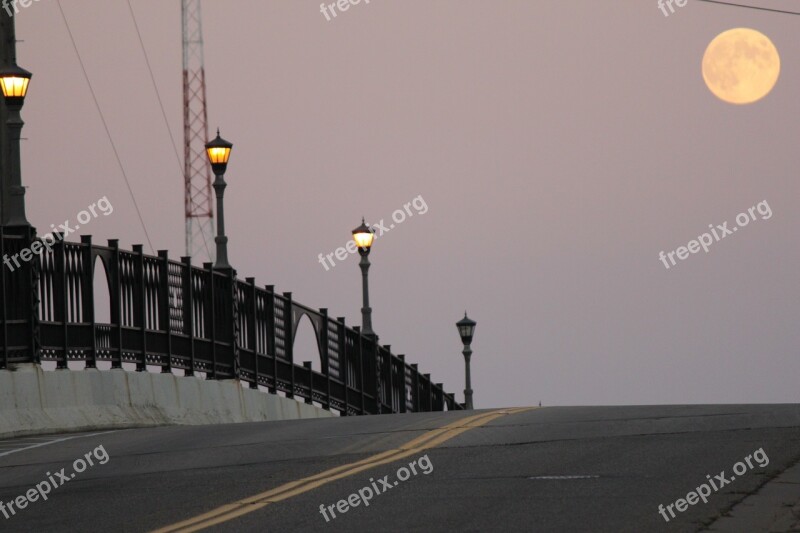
[{"x": 197, "y": 171}]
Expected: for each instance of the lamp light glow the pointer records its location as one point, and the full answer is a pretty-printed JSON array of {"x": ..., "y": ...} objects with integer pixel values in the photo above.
[{"x": 363, "y": 236}]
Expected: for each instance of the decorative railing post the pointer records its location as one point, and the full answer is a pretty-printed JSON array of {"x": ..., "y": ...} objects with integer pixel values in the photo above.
[
  {"x": 402, "y": 384},
  {"x": 361, "y": 374},
  {"x": 140, "y": 306},
  {"x": 386, "y": 372},
  {"x": 429, "y": 395},
  {"x": 251, "y": 326},
  {"x": 60, "y": 291},
  {"x": 115, "y": 273},
  {"x": 376, "y": 367},
  {"x": 3, "y": 288},
  {"x": 344, "y": 363},
  {"x": 188, "y": 311},
  {"x": 415, "y": 396},
  {"x": 270, "y": 303},
  {"x": 289, "y": 339},
  {"x": 307, "y": 366},
  {"x": 36, "y": 332},
  {"x": 164, "y": 307},
  {"x": 211, "y": 322},
  {"x": 325, "y": 355},
  {"x": 87, "y": 303},
  {"x": 235, "y": 326},
  {"x": 20, "y": 291},
  {"x": 439, "y": 397}
]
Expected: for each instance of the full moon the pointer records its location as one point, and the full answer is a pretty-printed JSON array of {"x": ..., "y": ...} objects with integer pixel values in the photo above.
[{"x": 741, "y": 66}]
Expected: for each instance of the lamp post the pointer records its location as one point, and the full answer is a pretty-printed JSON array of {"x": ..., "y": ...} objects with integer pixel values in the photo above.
[
  {"x": 364, "y": 237},
  {"x": 466, "y": 328},
  {"x": 219, "y": 151},
  {"x": 14, "y": 83}
]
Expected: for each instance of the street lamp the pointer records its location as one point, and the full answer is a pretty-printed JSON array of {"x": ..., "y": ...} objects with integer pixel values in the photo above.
[
  {"x": 466, "y": 328},
  {"x": 14, "y": 81},
  {"x": 364, "y": 237},
  {"x": 219, "y": 151},
  {"x": 14, "y": 84}
]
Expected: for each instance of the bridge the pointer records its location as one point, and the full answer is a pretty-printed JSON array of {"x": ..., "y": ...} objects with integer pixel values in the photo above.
[{"x": 174, "y": 317}]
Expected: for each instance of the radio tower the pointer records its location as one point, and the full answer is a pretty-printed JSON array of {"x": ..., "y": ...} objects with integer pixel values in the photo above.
[{"x": 197, "y": 171}]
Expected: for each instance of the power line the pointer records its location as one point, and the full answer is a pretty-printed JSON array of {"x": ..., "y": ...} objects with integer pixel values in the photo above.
[
  {"x": 161, "y": 104},
  {"x": 155, "y": 87},
  {"x": 105, "y": 125},
  {"x": 771, "y": 10}
]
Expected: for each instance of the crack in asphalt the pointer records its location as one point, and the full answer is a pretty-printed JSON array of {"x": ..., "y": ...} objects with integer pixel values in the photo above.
[{"x": 727, "y": 510}]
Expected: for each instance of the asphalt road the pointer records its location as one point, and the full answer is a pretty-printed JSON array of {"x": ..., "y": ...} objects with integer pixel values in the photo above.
[{"x": 548, "y": 469}]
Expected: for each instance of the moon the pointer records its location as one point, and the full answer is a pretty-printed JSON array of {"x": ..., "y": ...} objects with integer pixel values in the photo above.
[{"x": 741, "y": 66}]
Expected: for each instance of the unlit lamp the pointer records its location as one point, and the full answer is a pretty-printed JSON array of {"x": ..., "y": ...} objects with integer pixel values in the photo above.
[{"x": 466, "y": 328}]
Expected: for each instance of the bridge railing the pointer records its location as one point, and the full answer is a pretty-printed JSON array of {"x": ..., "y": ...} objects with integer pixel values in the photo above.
[{"x": 174, "y": 315}]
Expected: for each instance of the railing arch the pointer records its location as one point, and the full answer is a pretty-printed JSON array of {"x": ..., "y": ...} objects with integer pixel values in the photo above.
[
  {"x": 304, "y": 330},
  {"x": 101, "y": 290}
]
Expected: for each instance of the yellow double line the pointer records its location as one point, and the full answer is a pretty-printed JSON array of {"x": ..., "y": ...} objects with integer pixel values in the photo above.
[{"x": 254, "y": 503}]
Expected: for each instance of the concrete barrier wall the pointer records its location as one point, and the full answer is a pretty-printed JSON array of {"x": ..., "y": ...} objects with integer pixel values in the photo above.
[{"x": 33, "y": 401}]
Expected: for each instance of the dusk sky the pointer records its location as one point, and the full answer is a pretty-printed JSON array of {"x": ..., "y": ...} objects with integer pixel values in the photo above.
[{"x": 559, "y": 147}]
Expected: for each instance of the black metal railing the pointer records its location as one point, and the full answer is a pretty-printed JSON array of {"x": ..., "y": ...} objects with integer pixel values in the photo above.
[{"x": 175, "y": 315}]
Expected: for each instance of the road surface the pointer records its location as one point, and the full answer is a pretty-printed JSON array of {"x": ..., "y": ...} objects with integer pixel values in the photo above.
[{"x": 540, "y": 469}]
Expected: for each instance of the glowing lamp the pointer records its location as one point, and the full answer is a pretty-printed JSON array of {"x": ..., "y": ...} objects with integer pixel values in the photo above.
[
  {"x": 14, "y": 83},
  {"x": 219, "y": 151},
  {"x": 363, "y": 236}
]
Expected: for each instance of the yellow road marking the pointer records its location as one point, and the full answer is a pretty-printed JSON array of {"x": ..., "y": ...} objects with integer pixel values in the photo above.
[
  {"x": 380, "y": 438},
  {"x": 425, "y": 441}
]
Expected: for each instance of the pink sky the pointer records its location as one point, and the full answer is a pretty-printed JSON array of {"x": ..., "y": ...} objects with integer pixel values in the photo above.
[{"x": 559, "y": 145}]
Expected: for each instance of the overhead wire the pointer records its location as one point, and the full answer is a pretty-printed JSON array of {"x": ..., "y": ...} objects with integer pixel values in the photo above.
[
  {"x": 758, "y": 8},
  {"x": 161, "y": 105},
  {"x": 105, "y": 126}
]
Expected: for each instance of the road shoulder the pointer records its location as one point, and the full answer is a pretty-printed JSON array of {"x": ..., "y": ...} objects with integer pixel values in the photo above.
[{"x": 774, "y": 508}]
